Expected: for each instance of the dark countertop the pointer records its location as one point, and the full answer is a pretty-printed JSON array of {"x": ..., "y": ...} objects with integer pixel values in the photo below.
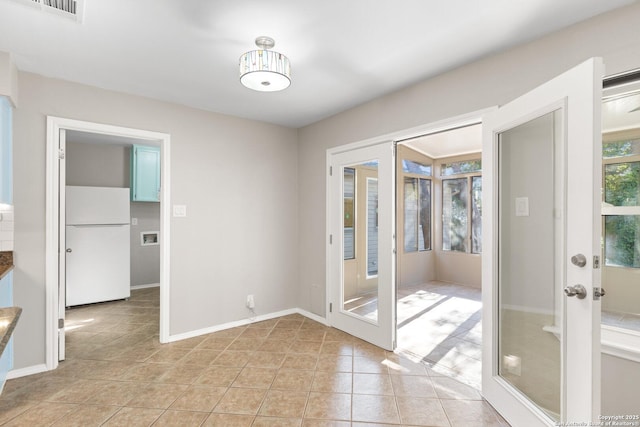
[
  {"x": 8, "y": 319},
  {"x": 8, "y": 315},
  {"x": 6, "y": 262}
]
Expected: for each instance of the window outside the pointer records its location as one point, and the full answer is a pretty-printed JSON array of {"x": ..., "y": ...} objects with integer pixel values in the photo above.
[
  {"x": 455, "y": 215},
  {"x": 476, "y": 214},
  {"x": 462, "y": 207},
  {"x": 457, "y": 168},
  {"x": 417, "y": 214},
  {"x": 621, "y": 190}
]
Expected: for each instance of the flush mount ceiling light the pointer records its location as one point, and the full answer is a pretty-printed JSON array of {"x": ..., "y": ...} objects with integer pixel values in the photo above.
[{"x": 265, "y": 70}]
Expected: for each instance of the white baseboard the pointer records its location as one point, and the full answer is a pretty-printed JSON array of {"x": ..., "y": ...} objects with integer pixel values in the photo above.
[
  {"x": 29, "y": 370},
  {"x": 229, "y": 325},
  {"x": 36, "y": 369},
  {"x": 150, "y": 285},
  {"x": 312, "y": 316},
  {"x": 243, "y": 322}
]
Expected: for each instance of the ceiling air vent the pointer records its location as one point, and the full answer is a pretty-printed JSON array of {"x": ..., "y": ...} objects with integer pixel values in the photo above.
[{"x": 69, "y": 8}]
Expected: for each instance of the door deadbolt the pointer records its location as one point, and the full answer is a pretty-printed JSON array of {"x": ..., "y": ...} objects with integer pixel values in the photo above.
[
  {"x": 576, "y": 291},
  {"x": 579, "y": 260}
]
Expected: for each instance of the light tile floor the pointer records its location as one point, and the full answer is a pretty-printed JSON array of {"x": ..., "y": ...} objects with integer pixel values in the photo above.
[
  {"x": 440, "y": 324},
  {"x": 288, "y": 371}
]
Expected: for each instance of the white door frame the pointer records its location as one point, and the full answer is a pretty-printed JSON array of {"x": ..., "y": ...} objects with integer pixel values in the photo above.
[{"x": 52, "y": 219}]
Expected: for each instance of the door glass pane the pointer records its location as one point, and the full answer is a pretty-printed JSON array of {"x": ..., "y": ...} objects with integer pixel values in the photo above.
[
  {"x": 454, "y": 214},
  {"x": 622, "y": 184},
  {"x": 424, "y": 233},
  {"x": 410, "y": 214},
  {"x": 622, "y": 234},
  {"x": 456, "y": 168},
  {"x": 417, "y": 214},
  {"x": 409, "y": 166},
  {"x": 372, "y": 227},
  {"x": 476, "y": 214},
  {"x": 360, "y": 271},
  {"x": 613, "y": 149},
  {"x": 529, "y": 276},
  {"x": 348, "y": 213},
  {"x": 621, "y": 206}
]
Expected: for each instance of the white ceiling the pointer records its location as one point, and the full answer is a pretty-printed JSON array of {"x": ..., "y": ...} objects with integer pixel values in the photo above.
[
  {"x": 463, "y": 140},
  {"x": 621, "y": 108},
  {"x": 343, "y": 53}
]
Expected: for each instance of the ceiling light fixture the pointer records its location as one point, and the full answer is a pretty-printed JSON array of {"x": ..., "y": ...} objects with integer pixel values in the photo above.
[{"x": 265, "y": 70}]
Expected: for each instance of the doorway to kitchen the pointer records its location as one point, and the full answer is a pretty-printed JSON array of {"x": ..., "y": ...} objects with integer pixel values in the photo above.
[
  {"x": 112, "y": 245},
  {"x": 86, "y": 148}
]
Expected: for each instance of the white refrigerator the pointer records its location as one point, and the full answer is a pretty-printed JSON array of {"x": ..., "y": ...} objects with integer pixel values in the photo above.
[{"x": 97, "y": 241}]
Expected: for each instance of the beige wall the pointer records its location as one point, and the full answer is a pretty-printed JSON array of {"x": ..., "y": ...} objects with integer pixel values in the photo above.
[
  {"x": 620, "y": 379},
  {"x": 623, "y": 292},
  {"x": 237, "y": 178}
]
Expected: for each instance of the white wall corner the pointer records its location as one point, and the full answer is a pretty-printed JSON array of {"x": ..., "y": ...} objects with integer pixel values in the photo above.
[
  {"x": 244, "y": 322},
  {"x": 312, "y": 316}
]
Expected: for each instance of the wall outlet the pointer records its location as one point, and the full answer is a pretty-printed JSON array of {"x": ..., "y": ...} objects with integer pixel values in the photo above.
[
  {"x": 134, "y": 221},
  {"x": 250, "y": 301}
]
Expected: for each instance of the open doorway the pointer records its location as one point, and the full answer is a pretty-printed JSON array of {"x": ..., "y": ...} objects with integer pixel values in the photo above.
[
  {"x": 439, "y": 191},
  {"x": 57, "y": 128},
  {"x": 112, "y": 268}
]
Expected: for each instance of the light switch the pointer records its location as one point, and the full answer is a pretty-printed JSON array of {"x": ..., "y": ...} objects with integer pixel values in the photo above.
[
  {"x": 179, "y": 210},
  {"x": 522, "y": 206}
]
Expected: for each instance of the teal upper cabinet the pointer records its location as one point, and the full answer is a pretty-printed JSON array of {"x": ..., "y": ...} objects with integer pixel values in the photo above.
[
  {"x": 145, "y": 173},
  {"x": 6, "y": 164}
]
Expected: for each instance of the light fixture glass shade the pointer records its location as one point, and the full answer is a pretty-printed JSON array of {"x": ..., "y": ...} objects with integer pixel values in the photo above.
[{"x": 265, "y": 70}]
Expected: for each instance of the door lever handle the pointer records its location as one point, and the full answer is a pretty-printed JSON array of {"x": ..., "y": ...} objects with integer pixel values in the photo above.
[
  {"x": 576, "y": 291},
  {"x": 69, "y": 250}
]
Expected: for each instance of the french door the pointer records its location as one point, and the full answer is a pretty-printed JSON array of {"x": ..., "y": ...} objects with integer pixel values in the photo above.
[
  {"x": 541, "y": 252},
  {"x": 360, "y": 254}
]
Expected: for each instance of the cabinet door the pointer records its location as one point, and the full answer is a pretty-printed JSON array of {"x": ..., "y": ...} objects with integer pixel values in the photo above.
[
  {"x": 6, "y": 169},
  {"x": 145, "y": 173}
]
